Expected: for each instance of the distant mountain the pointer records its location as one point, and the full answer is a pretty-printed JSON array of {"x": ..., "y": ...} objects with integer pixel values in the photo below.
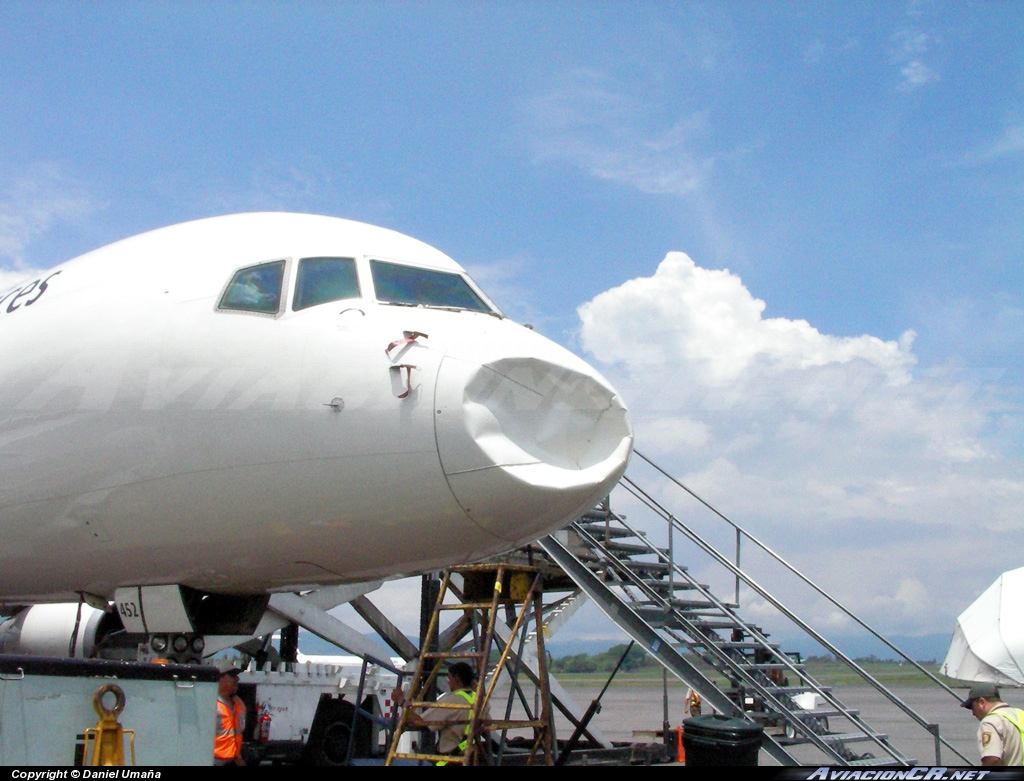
[
  {"x": 924, "y": 648},
  {"x": 921, "y": 649}
]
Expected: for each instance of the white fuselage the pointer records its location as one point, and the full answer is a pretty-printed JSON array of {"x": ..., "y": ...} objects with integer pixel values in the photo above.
[{"x": 149, "y": 435}]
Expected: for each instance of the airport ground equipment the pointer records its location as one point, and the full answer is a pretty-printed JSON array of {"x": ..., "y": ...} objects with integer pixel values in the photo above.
[
  {"x": 46, "y": 706},
  {"x": 483, "y": 593},
  {"x": 705, "y": 641},
  {"x": 104, "y": 743},
  {"x": 320, "y": 712}
]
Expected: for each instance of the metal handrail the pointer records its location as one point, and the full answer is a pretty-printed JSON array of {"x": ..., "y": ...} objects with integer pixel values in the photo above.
[
  {"x": 807, "y": 581},
  {"x": 675, "y": 523},
  {"x": 736, "y": 670}
]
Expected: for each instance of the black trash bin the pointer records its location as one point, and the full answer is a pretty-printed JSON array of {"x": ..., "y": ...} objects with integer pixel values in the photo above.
[{"x": 719, "y": 741}]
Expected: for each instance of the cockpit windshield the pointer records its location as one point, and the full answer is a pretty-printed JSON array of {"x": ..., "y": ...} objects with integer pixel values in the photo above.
[
  {"x": 415, "y": 286},
  {"x": 255, "y": 289},
  {"x": 321, "y": 280}
]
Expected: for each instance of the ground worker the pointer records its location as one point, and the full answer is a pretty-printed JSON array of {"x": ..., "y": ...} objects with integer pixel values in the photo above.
[
  {"x": 451, "y": 725},
  {"x": 227, "y": 744},
  {"x": 1001, "y": 732},
  {"x": 693, "y": 703}
]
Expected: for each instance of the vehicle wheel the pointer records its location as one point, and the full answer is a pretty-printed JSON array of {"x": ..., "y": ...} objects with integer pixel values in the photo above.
[
  {"x": 330, "y": 734},
  {"x": 334, "y": 743}
]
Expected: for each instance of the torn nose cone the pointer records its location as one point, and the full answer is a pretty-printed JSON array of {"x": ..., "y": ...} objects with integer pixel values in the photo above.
[{"x": 529, "y": 439}]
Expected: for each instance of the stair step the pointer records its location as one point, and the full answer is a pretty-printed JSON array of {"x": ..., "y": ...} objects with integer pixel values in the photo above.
[
  {"x": 641, "y": 579},
  {"x": 726, "y": 623},
  {"x": 658, "y": 569},
  {"x": 852, "y": 737},
  {"x": 784, "y": 690},
  {"x": 598, "y": 530},
  {"x": 797, "y": 689},
  {"x": 746, "y": 645},
  {"x": 662, "y": 585},
  {"x": 690, "y": 605},
  {"x": 803, "y": 715},
  {"x": 614, "y": 546},
  {"x": 636, "y": 566},
  {"x": 878, "y": 761},
  {"x": 830, "y": 713},
  {"x": 658, "y": 613}
]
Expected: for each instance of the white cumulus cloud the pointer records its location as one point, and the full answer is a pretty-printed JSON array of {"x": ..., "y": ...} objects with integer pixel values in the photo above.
[
  {"x": 806, "y": 437},
  {"x": 708, "y": 320}
]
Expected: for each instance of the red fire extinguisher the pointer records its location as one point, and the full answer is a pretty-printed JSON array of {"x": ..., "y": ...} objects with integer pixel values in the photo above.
[
  {"x": 263, "y": 719},
  {"x": 261, "y": 730}
]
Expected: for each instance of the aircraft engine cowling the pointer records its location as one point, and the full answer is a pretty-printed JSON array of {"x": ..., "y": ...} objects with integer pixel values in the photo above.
[{"x": 48, "y": 630}]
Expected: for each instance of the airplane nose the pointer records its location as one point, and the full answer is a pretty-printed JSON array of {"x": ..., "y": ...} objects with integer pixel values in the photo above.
[{"x": 541, "y": 438}]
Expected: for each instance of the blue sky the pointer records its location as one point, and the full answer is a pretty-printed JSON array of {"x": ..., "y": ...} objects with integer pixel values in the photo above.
[{"x": 858, "y": 168}]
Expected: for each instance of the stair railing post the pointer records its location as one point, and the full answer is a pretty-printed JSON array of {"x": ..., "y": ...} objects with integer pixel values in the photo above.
[
  {"x": 671, "y": 568},
  {"x": 934, "y": 729},
  {"x": 739, "y": 540}
]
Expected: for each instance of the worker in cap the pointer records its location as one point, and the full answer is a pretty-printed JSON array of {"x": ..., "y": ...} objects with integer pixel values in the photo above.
[
  {"x": 227, "y": 743},
  {"x": 1001, "y": 732},
  {"x": 450, "y": 724}
]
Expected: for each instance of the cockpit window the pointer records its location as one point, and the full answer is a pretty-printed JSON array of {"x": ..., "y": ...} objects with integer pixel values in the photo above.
[
  {"x": 411, "y": 285},
  {"x": 255, "y": 289},
  {"x": 321, "y": 280}
]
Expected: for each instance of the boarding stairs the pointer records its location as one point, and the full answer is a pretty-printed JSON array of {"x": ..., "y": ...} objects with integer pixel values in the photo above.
[{"x": 706, "y": 643}]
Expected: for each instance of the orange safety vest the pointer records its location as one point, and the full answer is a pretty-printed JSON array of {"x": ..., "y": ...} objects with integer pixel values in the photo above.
[{"x": 230, "y": 725}]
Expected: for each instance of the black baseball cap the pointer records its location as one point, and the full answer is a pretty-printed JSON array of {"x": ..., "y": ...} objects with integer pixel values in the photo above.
[{"x": 987, "y": 690}]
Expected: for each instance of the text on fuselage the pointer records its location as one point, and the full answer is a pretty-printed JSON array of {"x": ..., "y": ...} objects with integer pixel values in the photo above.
[{"x": 25, "y": 295}]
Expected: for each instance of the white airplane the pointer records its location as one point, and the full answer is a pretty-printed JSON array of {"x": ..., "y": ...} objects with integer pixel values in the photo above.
[{"x": 262, "y": 403}]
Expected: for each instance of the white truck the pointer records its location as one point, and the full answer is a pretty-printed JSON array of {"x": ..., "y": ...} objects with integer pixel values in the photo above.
[{"x": 306, "y": 712}]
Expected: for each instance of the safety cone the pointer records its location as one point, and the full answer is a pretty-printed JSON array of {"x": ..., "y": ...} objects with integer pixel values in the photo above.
[{"x": 680, "y": 754}]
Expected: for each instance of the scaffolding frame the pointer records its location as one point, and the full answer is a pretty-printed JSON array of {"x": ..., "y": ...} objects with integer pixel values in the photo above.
[{"x": 485, "y": 590}]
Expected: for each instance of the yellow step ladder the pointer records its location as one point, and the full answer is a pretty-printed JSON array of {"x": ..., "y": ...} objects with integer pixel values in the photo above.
[{"x": 485, "y": 590}]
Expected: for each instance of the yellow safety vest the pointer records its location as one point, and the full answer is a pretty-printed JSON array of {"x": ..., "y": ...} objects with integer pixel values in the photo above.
[
  {"x": 1013, "y": 715},
  {"x": 470, "y": 698}
]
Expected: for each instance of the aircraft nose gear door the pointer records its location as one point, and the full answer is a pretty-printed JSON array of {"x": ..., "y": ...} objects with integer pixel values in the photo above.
[{"x": 172, "y": 621}]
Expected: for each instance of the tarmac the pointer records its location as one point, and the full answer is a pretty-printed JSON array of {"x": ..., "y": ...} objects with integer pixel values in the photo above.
[{"x": 634, "y": 712}]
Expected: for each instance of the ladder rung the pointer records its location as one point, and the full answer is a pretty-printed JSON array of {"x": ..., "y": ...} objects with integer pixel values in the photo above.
[
  {"x": 438, "y": 705},
  {"x": 432, "y": 757}
]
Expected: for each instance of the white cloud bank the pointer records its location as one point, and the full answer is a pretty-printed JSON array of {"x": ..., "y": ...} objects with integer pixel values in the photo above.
[
  {"x": 709, "y": 320},
  {"x": 807, "y": 438}
]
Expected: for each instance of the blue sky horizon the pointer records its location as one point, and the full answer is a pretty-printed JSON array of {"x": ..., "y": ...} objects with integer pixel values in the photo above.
[{"x": 790, "y": 234}]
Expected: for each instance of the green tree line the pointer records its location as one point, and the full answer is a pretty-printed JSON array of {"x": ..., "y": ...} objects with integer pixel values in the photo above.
[{"x": 603, "y": 662}]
